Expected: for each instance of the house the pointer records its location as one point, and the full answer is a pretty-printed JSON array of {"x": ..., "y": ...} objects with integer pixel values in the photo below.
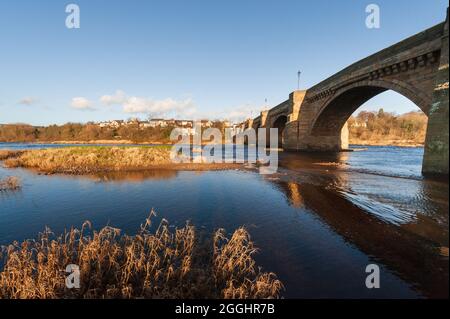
[
  {"x": 133, "y": 121},
  {"x": 111, "y": 124},
  {"x": 171, "y": 122},
  {"x": 157, "y": 123},
  {"x": 357, "y": 123},
  {"x": 116, "y": 123},
  {"x": 144, "y": 124},
  {"x": 206, "y": 123},
  {"x": 184, "y": 123}
]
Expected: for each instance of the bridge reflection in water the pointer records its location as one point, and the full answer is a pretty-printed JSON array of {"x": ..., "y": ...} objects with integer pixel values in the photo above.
[{"x": 407, "y": 232}]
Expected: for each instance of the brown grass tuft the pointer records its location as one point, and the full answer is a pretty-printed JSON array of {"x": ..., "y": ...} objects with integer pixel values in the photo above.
[
  {"x": 10, "y": 183},
  {"x": 6, "y": 154},
  {"x": 158, "y": 264}
]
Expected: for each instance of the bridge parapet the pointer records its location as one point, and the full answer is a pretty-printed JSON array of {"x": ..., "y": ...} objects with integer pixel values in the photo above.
[{"x": 414, "y": 51}]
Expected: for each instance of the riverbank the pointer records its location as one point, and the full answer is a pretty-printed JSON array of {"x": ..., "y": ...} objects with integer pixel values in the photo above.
[
  {"x": 124, "y": 142},
  {"x": 95, "y": 159},
  {"x": 397, "y": 143}
]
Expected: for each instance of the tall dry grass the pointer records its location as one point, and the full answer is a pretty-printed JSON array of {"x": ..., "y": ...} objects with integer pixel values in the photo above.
[
  {"x": 151, "y": 264},
  {"x": 235, "y": 270},
  {"x": 80, "y": 160}
]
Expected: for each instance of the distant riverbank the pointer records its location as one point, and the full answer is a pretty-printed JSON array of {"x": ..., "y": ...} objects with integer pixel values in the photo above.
[
  {"x": 388, "y": 129},
  {"x": 397, "y": 143},
  {"x": 353, "y": 141},
  {"x": 125, "y": 142},
  {"x": 400, "y": 143},
  {"x": 94, "y": 159}
]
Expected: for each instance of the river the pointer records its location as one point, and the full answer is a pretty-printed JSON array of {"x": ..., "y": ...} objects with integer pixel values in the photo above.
[{"x": 318, "y": 222}]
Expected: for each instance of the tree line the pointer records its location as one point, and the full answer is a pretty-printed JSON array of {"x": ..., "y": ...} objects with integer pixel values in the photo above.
[
  {"x": 86, "y": 132},
  {"x": 381, "y": 127}
]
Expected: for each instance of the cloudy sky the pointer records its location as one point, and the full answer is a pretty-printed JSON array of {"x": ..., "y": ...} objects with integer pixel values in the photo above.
[{"x": 186, "y": 59}]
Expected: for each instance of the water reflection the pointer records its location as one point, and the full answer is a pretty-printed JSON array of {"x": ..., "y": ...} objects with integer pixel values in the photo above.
[
  {"x": 402, "y": 222},
  {"x": 318, "y": 222},
  {"x": 407, "y": 251},
  {"x": 134, "y": 176},
  {"x": 295, "y": 194}
]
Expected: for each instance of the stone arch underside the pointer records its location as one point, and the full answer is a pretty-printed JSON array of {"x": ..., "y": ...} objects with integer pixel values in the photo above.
[
  {"x": 280, "y": 124},
  {"x": 336, "y": 111}
]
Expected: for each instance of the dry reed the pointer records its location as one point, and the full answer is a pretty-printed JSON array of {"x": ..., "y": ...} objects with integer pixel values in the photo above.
[
  {"x": 158, "y": 264},
  {"x": 10, "y": 183},
  {"x": 235, "y": 270}
]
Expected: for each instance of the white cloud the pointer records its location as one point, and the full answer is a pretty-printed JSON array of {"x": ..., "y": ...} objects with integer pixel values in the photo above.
[
  {"x": 28, "y": 100},
  {"x": 81, "y": 103},
  {"x": 236, "y": 114},
  {"x": 117, "y": 98},
  {"x": 161, "y": 108},
  {"x": 242, "y": 113}
]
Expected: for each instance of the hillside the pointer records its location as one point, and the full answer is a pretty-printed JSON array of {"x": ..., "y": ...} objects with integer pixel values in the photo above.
[{"x": 383, "y": 128}]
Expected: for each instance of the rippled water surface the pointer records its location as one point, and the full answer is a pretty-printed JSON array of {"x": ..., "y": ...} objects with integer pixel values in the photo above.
[{"x": 318, "y": 222}]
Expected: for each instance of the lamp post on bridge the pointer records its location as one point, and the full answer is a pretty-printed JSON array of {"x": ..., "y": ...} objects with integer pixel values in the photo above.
[{"x": 298, "y": 79}]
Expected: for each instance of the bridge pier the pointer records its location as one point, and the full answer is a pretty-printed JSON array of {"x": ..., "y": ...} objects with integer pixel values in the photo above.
[
  {"x": 296, "y": 141},
  {"x": 435, "y": 160}
]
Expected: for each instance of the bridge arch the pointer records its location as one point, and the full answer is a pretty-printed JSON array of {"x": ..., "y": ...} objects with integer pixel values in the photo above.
[
  {"x": 280, "y": 124},
  {"x": 337, "y": 109}
]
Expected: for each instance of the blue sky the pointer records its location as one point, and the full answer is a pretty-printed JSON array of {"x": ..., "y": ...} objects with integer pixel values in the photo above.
[{"x": 189, "y": 59}]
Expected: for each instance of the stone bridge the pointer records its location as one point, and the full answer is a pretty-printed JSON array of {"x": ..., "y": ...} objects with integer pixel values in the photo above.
[{"x": 417, "y": 67}]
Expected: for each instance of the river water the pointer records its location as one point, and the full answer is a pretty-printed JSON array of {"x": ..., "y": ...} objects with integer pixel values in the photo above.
[{"x": 318, "y": 222}]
